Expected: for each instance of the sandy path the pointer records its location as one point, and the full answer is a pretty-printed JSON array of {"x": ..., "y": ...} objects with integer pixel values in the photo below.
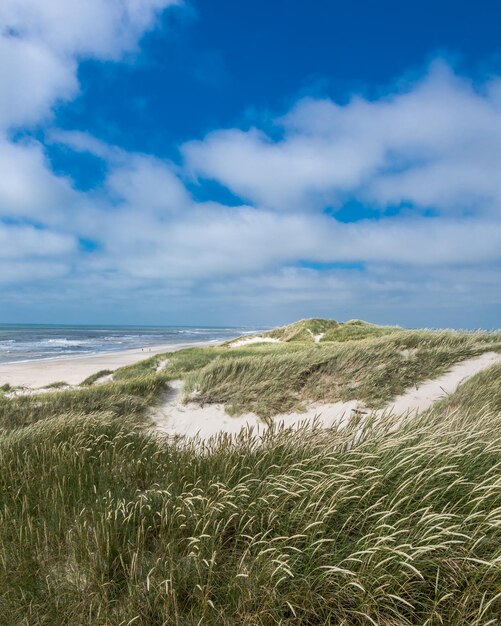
[
  {"x": 175, "y": 418},
  {"x": 420, "y": 398},
  {"x": 73, "y": 370},
  {"x": 191, "y": 420}
]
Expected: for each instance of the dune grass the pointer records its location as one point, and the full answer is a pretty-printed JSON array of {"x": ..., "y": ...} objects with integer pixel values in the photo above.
[
  {"x": 103, "y": 524},
  {"x": 329, "y": 330},
  {"x": 269, "y": 379},
  {"x": 90, "y": 380},
  {"x": 128, "y": 398},
  {"x": 481, "y": 393},
  {"x": 182, "y": 362},
  {"x": 356, "y": 329},
  {"x": 279, "y": 378}
]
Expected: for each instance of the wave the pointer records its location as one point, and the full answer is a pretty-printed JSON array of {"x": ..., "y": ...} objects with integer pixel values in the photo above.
[{"x": 25, "y": 343}]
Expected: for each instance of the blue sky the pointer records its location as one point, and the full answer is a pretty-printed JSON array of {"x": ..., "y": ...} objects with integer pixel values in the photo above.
[{"x": 250, "y": 162}]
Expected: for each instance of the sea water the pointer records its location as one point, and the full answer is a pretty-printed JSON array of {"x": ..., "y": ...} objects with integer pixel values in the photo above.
[{"x": 28, "y": 342}]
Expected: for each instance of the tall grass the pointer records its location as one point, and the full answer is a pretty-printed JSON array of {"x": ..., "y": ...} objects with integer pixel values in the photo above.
[
  {"x": 481, "y": 393},
  {"x": 329, "y": 330},
  {"x": 126, "y": 398},
  {"x": 375, "y": 370},
  {"x": 104, "y": 524}
]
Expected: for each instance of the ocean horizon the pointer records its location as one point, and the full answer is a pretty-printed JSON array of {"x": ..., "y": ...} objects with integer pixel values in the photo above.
[{"x": 36, "y": 342}]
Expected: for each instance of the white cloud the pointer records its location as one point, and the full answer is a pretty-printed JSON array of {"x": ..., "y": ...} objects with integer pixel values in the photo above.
[
  {"x": 434, "y": 144},
  {"x": 28, "y": 187},
  {"x": 26, "y": 241},
  {"x": 148, "y": 185},
  {"x": 34, "y": 79},
  {"x": 95, "y": 28},
  {"x": 41, "y": 44},
  {"x": 211, "y": 243},
  {"x": 16, "y": 272},
  {"x": 42, "y": 41}
]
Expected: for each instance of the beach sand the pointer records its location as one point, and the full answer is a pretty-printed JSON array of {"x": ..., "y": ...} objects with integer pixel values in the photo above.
[
  {"x": 73, "y": 370},
  {"x": 174, "y": 418}
]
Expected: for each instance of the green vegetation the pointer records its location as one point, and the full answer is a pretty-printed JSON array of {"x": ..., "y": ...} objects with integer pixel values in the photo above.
[
  {"x": 117, "y": 399},
  {"x": 356, "y": 329},
  {"x": 304, "y": 330},
  {"x": 269, "y": 379},
  {"x": 384, "y": 523},
  {"x": 102, "y": 524},
  {"x": 329, "y": 330},
  {"x": 59, "y": 384},
  {"x": 481, "y": 393},
  {"x": 275, "y": 379},
  {"x": 90, "y": 380}
]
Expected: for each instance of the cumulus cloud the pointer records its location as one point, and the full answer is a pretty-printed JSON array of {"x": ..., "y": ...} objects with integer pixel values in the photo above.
[
  {"x": 434, "y": 144},
  {"x": 101, "y": 28},
  {"x": 42, "y": 42},
  {"x": 16, "y": 272},
  {"x": 27, "y": 241},
  {"x": 34, "y": 78},
  {"x": 28, "y": 186}
]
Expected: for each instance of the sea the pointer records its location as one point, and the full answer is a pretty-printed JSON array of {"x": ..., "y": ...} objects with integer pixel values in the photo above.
[{"x": 29, "y": 342}]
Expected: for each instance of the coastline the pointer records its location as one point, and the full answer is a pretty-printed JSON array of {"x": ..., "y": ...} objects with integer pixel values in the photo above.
[{"x": 74, "y": 369}]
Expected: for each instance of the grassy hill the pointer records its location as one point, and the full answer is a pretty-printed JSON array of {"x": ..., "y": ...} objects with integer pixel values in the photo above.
[
  {"x": 274, "y": 378},
  {"x": 105, "y": 523},
  {"x": 320, "y": 330}
]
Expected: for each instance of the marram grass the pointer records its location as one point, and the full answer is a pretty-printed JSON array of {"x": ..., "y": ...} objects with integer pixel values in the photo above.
[
  {"x": 391, "y": 524},
  {"x": 103, "y": 524},
  {"x": 283, "y": 377},
  {"x": 122, "y": 399}
]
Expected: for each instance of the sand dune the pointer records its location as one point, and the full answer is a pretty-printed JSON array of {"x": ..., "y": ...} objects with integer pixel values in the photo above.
[{"x": 177, "y": 419}]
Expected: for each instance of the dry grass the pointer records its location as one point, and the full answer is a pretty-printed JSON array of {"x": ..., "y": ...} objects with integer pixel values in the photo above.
[
  {"x": 329, "y": 330},
  {"x": 128, "y": 398},
  {"x": 306, "y": 528},
  {"x": 282, "y": 377},
  {"x": 105, "y": 524}
]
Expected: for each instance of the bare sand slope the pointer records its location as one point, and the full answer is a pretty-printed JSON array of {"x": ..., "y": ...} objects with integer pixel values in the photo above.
[
  {"x": 175, "y": 418},
  {"x": 73, "y": 370},
  {"x": 422, "y": 396},
  {"x": 191, "y": 420},
  {"x": 251, "y": 340}
]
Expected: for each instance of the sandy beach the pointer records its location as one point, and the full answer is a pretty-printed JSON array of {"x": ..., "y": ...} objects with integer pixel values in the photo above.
[{"x": 73, "y": 370}]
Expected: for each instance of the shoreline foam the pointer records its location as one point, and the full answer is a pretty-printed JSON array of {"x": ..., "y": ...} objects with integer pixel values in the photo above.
[{"x": 75, "y": 369}]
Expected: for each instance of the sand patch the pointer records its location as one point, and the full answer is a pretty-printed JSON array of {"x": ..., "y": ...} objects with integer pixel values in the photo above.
[
  {"x": 162, "y": 365},
  {"x": 250, "y": 340},
  {"x": 408, "y": 353},
  {"x": 107, "y": 378},
  {"x": 316, "y": 338},
  {"x": 192, "y": 420},
  {"x": 27, "y": 391},
  {"x": 419, "y": 398}
]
